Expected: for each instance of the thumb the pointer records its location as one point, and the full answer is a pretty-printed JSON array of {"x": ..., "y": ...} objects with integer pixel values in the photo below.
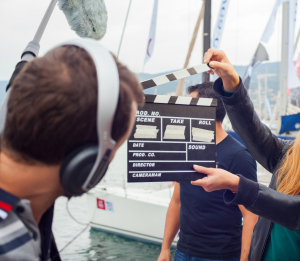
[
  {"x": 203, "y": 170},
  {"x": 199, "y": 182}
]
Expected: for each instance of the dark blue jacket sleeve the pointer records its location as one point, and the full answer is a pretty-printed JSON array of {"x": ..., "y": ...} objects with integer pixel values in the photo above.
[
  {"x": 262, "y": 144},
  {"x": 266, "y": 202}
]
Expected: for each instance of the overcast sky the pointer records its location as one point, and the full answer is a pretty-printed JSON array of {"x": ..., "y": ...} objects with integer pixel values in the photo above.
[{"x": 246, "y": 20}]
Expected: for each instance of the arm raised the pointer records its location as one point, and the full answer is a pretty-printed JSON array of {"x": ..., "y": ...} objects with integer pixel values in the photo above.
[{"x": 263, "y": 145}]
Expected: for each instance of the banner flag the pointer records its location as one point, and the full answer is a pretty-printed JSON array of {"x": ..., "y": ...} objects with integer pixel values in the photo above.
[
  {"x": 290, "y": 123},
  {"x": 151, "y": 39},
  {"x": 271, "y": 23},
  {"x": 259, "y": 56},
  {"x": 218, "y": 32},
  {"x": 261, "y": 52}
]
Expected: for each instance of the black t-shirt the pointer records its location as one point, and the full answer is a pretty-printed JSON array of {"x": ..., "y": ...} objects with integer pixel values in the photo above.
[{"x": 208, "y": 227}]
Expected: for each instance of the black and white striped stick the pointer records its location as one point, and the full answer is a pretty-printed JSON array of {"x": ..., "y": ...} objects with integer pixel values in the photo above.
[
  {"x": 180, "y": 100},
  {"x": 175, "y": 76}
]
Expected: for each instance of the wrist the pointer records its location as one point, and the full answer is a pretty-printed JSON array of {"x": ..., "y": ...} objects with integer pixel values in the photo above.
[
  {"x": 165, "y": 248},
  {"x": 231, "y": 83},
  {"x": 233, "y": 183}
]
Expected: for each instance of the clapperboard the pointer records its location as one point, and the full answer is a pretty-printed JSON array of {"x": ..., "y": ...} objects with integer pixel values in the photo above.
[{"x": 170, "y": 135}]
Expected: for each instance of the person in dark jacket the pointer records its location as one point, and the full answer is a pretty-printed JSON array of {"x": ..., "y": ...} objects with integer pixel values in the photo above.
[{"x": 276, "y": 235}]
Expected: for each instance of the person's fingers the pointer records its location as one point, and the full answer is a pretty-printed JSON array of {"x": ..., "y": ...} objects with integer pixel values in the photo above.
[
  {"x": 212, "y": 54},
  {"x": 203, "y": 170},
  {"x": 218, "y": 65},
  {"x": 211, "y": 72},
  {"x": 199, "y": 182},
  {"x": 208, "y": 55}
]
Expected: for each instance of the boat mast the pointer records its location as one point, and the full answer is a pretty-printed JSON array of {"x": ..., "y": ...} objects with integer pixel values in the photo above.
[
  {"x": 206, "y": 32},
  {"x": 281, "y": 101},
  {"x": 284, "y": 59}
]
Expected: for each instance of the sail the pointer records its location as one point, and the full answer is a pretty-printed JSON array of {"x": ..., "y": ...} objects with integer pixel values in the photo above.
[
  {"x": 259, "y": 56},
  {"x": 151, "y": 39},
  {"x": 271, "y": 23},
  {"x": 261, "y": 53}
]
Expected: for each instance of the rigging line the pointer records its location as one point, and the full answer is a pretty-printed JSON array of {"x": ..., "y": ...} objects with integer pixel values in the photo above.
[
  {"x": 124, "y": 28},
  {"x": 70, "y": 214}
]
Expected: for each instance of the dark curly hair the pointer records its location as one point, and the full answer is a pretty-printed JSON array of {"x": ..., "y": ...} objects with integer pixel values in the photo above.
[{"x": 205, "y": 90}]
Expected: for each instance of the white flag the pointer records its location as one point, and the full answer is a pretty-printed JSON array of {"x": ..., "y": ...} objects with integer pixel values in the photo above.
[
  {"x": 151, "y": 39},
  {"x": 271, "y": 23},
  {"x": 218, "y": 32}
]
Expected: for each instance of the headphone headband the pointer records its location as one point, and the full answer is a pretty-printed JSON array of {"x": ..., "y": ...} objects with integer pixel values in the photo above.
[{"x": 108, "y": 95}]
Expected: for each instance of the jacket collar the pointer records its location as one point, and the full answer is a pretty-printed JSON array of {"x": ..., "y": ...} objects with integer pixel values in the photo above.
[{"x": 7, "y": 202}]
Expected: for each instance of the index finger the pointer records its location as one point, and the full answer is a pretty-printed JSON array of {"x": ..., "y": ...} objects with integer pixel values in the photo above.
[
  {"x": 208, "y": 55},
  {"x": 215, "y": 55},
  {"x": 203, "y": 170}
]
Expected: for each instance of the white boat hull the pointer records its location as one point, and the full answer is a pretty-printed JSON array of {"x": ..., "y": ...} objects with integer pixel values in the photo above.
[{"x": 138, "y": 214}]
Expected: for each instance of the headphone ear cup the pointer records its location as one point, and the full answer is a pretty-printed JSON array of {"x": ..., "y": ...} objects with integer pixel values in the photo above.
[{"x": 76, "y": 168}]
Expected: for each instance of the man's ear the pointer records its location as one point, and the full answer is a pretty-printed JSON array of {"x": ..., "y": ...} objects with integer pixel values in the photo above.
[{"x": 128, "y": 132}]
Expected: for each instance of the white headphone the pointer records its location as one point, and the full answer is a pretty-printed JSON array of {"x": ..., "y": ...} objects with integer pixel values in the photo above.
[{"x": 86, "y": 165}]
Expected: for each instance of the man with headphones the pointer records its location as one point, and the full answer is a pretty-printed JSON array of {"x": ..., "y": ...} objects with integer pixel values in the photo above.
[{"x": 62, "y": 120}]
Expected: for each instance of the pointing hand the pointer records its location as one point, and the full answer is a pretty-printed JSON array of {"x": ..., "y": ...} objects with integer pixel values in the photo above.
[{"x": 216, "y": 179}]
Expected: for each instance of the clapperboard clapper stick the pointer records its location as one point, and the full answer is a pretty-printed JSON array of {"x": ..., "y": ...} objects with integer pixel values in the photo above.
[{"x": 175, "y": 76}]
